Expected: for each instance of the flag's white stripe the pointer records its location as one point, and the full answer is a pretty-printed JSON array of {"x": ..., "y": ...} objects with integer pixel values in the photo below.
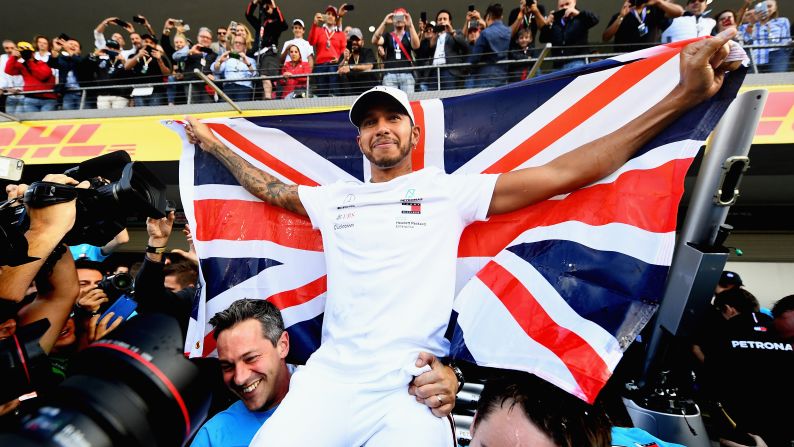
[
  {"x": 466, "y": 268},
  {"x": 220, "y": 248},
  {"x": 434, "y": 132},
  {"x": 486, "y": 323},
  {"x": 223, "y": 192},
  {"x": 302, "y": 312},
  {"x": 618, "y": 113},
  {"x": 558, "y": 309},
  {"x": 624, "y": 109},
  {"x": 648, "y": 247},
  {"x": 285, "y": 148}
]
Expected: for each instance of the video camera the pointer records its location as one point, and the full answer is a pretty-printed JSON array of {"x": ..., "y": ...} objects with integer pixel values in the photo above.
[
  {"x": 132, "y": 388},
  {"x": 120, "y": 188}
]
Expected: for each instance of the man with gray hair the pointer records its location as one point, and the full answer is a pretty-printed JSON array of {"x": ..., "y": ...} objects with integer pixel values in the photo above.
[
  {"x": 201, "y": 57},
  {"x": 252, "y": 349}
]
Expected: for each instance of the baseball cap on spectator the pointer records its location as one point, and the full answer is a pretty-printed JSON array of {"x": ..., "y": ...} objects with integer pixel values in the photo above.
[
  {"x": 400, "y": 10},
  {"x": 332, "y": 9},
  {"x": 299, "y": 22},
  {"x": 730, "y": 279},
  {"x": 22, "y": 46},
  {"x": 355, "y": 32},
  {"x": 377, "y": 96}
]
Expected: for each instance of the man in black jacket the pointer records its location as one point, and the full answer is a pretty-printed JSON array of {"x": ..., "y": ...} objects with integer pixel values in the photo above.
[
  {"x": 568, "y": 26},
  {"x": 73, "y": 72},
  {"x": 453, "y": 49},
  {"x": 269, "y": 24}
]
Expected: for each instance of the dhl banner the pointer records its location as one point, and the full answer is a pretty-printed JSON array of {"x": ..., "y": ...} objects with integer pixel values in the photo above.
[
  {"x": 146, "y": 139},
  {"x": 71, "y": 141}
]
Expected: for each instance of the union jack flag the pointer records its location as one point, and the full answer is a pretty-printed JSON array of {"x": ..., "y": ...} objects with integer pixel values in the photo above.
[{"x": 559, "y": 289}]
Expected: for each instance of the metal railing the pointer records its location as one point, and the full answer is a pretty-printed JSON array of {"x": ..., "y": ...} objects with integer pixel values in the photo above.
[{"x": 426, "y": 76}]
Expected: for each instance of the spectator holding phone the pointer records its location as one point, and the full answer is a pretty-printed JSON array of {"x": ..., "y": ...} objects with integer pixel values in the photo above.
[
  {"x": 490, "y": 48},
  {"x": 528, "y": 16},
  {"x": 72, "y": 70},
  {"x": 568, "y": 26},
  {"x": 236, "y": 69},
  {"x": 399, "y": 45},
  {"x": 99, "y": 36},
  {"x": 108, "y": 66},
  {"x": 199, "y": 57},
  {"x": 640, "y": 21},
  {"x": 766, "y": 27},
  {"x": 268, "y": 24},
  {"x": 448, "y": 47},
  {"x": 149, "y": 65},
  {"x": 329, "y": 45}
]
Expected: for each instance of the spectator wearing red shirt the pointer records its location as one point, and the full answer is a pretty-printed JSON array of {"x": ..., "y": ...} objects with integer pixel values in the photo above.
[
  {"x": 329, "y": 44},
  {"x": 36, "y": 76},
  {"x": 294, "y": 85}
]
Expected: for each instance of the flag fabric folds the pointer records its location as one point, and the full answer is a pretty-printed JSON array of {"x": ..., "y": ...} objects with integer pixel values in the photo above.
[{"x": 559, "y": 289}]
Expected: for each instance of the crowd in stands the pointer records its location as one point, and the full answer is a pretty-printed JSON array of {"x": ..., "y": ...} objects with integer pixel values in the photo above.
[{"x": 134, "y": 67}]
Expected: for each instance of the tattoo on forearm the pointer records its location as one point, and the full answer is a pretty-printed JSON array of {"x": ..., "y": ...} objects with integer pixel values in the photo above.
[{"x": 257, "y": 182}]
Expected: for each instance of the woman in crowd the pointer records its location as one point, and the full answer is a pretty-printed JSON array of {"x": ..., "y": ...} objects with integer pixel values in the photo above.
[
  {"x": 236, "y": 68},
  {"x": 294, "y": 84},
  {"x": 765, "y": 27}
]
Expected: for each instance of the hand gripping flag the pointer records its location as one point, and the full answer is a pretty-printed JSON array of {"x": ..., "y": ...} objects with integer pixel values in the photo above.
[{"x": 558, "y": 289}]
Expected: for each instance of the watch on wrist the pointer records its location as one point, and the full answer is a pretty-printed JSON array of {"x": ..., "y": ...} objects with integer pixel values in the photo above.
[
  {"x": 157, "y": 250},
  {"x": 458, "y": 375}
]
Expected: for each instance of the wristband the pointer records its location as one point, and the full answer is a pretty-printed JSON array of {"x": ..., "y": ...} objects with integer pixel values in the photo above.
[{"x": 157, "y": 250}]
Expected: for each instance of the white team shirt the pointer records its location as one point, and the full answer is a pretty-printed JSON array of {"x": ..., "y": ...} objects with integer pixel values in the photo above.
[{"x": 390, "y": 251}]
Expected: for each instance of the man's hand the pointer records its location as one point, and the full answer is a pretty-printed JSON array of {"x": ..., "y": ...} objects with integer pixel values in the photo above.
[
  {"x": 435, "y": 388},
  {"x": 191, "y": 254},
  {"x": 318, "y": 19},
  {"x": 159, "y": 230},
  {"x": 92, "y": 300},
  {"x": 625, "y": 9},
  {"x": 703, "y": 67},
  {"x": 571, "y": 12},
  {"x": 199, "y": 133},
  {"x": 99, "y": 328},
  {"x": 759, "y": 442},
  {"x": 57, "y": 218}
]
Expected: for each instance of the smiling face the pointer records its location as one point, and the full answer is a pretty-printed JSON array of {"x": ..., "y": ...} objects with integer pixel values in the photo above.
[
  {"x": 67, "y": 337},
  {"x": 252, "y": 367},
  {"x": 726, "y": 20},
  {"x": 297, "y": 31},
  {"x": 386, "y": 137},
  {"x": 179, "y": 42},
  {"x": 294, "y": 54}
]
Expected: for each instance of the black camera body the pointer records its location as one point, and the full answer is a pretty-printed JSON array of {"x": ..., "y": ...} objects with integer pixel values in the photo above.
[
  {"x": 637, "y": 2},
  {"x": 116, "y": 285},
  {"x": 23, "y": 364}
]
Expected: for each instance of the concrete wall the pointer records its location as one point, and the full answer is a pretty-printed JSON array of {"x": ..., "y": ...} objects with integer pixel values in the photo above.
[{"x": 78, "y": 18}]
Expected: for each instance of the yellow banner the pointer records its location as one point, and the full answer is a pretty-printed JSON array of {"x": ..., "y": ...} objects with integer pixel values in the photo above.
[
  {"x": 71, "y": 141},
  {"x": 146, "y": 139}
]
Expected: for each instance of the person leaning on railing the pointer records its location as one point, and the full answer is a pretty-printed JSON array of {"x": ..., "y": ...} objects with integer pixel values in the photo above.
[{"x": 766, "y": 27}]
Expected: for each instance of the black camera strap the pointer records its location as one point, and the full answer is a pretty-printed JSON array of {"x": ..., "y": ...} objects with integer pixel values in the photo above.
[{"x": 44, "y": 194}]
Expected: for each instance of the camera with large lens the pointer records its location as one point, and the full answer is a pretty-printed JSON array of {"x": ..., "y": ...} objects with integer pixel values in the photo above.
[
  {"x": 23, "y": 364},
  {"x": 116, "y": 285},
  {"x": 133, "y": 388},
  {"x": 119, "y": 188}
]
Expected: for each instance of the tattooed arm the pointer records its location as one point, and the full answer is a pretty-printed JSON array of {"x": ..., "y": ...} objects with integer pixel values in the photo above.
[{"x": 257, "y": 182}]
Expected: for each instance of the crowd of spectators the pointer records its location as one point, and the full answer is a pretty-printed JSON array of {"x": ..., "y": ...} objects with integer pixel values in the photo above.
[{"x": 252, "y": 59}]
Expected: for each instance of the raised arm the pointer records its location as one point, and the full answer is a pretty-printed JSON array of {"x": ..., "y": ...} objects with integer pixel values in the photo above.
[
  {"x": 259, "y": 183},
  {"x": 671, "y": 10},
  {"x": 702, "y": 73}
]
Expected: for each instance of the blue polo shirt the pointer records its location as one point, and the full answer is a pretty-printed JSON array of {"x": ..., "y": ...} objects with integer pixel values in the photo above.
[{"x": 232, "y": 427}]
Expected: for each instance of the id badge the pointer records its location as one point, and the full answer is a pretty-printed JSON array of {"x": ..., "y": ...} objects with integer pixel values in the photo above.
[
  {"x": 203, "y": 61},
  {"x": 327, "y": 44},
  {"x": 398, "y": 56},
  {"x": 643, "y": 29}
]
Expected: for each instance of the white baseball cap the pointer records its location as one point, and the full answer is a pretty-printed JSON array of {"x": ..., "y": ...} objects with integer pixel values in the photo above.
[
  {"x": 300, "y": 22},
  {"x": 379, "y": 95}
]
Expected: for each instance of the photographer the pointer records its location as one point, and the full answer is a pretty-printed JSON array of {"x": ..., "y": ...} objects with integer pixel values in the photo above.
[
  {"x": 236, "y": 68},
  {"x": 149, "y": 65},
  {"x": 99, "y": 36},
  {"x": 150, "y": 290},
  {"x": 329, "y": 45},
  {"x": 107, "y": 64},
  {"x": 640, "y": 21},
  {"x": 36, "y": 76},
  {"x": 448, "y": 47},
  {"x": 72, "y": 69},
  {"x": 528, "y": 16},
  {"x": 268, "y": 26},
  {"x": 568, "y": 26},
  {"x": 199, "y": 57},
  {"x": 399, "y": 45},
  {"x": 490, "y": 48}
]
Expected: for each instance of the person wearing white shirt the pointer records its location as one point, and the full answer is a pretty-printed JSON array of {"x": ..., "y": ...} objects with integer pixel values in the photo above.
[
  {"x": 306, "y": 49},
  {"x": 237, "y": 69},
  {"x": 693, "y": 23},
  {"x": 10, "y": 85},
  {"x": 99, "y": 36}
]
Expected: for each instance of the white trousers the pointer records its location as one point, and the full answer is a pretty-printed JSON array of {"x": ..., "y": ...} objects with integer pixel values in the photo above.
[{"x": 321, "y": 412}]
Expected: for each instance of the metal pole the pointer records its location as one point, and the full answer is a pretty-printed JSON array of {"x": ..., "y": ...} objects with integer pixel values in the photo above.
[
  {"x": 189, "y": 93},
  {"x": 217, "y": 89},
  {"x": 10, "y": 117},
  {"x": 438, "y": 78},
  {"x": 82, "y": 99},
  {"x": 539, "y": 62}
]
